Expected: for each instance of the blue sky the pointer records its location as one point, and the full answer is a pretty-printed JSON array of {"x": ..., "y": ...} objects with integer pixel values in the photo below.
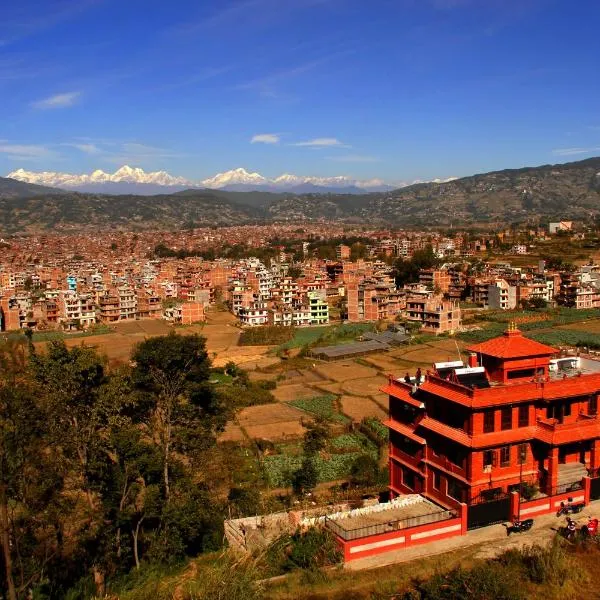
[{"x": 396, "y": 89}]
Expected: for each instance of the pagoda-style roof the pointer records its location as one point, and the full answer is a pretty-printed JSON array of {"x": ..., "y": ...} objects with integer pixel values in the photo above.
[{"x": 512, "y": 344}]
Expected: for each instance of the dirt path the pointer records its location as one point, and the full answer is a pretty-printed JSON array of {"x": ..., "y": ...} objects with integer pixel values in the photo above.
[{"x": 491, "y": 541}]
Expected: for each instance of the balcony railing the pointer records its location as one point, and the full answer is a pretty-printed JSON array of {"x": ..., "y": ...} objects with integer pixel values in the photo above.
[
  {"x": 413, "y": 460},
  {"x": 444, "y": 463},
  {"x": 553, "y": 431}
]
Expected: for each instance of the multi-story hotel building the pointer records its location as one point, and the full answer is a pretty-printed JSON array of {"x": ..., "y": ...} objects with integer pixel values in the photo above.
[{"x": 514, "y": 415}]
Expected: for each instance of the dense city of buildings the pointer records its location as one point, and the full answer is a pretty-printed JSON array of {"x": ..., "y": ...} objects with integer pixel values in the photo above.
[{"x": 277, "y": 275}]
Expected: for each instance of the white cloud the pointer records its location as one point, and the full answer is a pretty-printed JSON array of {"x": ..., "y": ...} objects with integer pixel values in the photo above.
[
  {"x": 322, "y": 143},
  {"x": 265, "y": 138},
  {"x": 573, "y": 151},
  {"x": 25, "y": 151},
  {"x": 86, "y": 148},
  {"x": 58, "y": 101},
  {"x": 354, "y": 158}
]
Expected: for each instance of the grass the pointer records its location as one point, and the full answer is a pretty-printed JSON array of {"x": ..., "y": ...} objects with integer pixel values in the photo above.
[
  {"x": 49, "y": 336},
  {"x": 329, "y": 335},
  {"x": 321, "y": 406}
]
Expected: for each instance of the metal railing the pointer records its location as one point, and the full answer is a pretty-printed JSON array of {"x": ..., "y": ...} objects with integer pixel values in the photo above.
[
  {"x": 572, "y": 486},
  {"x": 348, "y": 534}
]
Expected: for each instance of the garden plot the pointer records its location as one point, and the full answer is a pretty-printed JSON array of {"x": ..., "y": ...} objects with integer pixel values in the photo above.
[
  {"x": 358, "y": 408},
  {"x": 344, "y": 370},
  {"x": 333, "y": 464},
  {"x": 364, "y": 387},
  {"x": 329, "y": 388},
  {"x": 321, "y": 406},
  {"x": 295, "y": 391},
  {"x": 272, "y": 421},
  {"x": 425, "y": 356}
]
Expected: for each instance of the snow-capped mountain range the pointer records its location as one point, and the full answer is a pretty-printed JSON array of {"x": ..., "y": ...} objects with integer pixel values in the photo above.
[{"x": 136, "y": 180}]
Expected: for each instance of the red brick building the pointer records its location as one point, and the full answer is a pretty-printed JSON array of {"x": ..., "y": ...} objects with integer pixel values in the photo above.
[{"x": 513, "y": 415}]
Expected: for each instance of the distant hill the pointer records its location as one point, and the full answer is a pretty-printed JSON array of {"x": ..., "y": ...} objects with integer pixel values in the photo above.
[
  {"x": 550, "y": 192},
  {"x": 69, "y": 211},
  {"x": 11, "y": 188}
]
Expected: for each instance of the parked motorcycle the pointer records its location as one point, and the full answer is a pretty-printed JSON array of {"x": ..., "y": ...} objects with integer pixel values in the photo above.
[
  {"x": 570, "y": 531},
  {"x": 519, "y": 526},
  {"x": 570, "y": 508},
  {"x": 591, "y": 529}
]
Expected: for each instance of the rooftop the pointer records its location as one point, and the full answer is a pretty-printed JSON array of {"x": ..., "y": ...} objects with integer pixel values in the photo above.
[{"x": 512, "y": 344}]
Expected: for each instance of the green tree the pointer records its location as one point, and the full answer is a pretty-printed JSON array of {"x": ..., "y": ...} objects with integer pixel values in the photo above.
[
  {"x": 171, "y": 372},
  {"x": 364, "y": 470}
]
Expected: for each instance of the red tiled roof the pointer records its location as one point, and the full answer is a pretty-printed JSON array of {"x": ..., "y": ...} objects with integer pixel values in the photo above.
[
  {"x": 404, "y": 430},
  {"x": 446, "y": 431},
  {"x": 512, "y": 344},
  {"x": 402, "y": 394},
  {"x": 485, "y": 440}
]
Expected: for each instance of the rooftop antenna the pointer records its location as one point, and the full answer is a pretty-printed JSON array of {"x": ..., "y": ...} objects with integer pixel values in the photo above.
[{"x": 458, "y": 350}]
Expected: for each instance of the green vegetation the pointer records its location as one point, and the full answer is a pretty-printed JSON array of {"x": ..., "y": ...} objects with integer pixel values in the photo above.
[
  {"x": 312, "y": 550},
  {"x": 540, "y": 325},
  {"x": 327, "y": 335},
  {"x": 321, "y": 406},
  {"x": 266, "y": 335},
  {"x": 99, "y": 467},
  {"x": 235, "y": 388},
  {"x": 331, "y": 459},
  {"x": 508, "y": 577},
  {"x": 51, "y": 336},
  {"x": 375, "y": 430}
]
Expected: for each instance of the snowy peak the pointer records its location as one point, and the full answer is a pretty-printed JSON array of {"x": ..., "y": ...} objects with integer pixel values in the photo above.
[
  {"x": 129, "y": 179},
  {"x": 237, "y": 176},
  {"x": 125, "y": 174}
]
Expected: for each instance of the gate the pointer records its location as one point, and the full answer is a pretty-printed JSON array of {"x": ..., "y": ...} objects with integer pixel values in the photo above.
[
  {"x": 488, "y": 512},
  {"x": 595, "y": 489}
]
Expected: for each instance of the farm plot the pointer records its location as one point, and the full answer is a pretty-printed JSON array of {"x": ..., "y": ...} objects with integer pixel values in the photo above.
[
  {"x": 344, "y": 370},
  {"x": 321, "y": 406},
  {"x": 272, "y": 421},
  {"x": 358, "y": 408},
  {"x": 364, "y": 387},
  {"x": 332, "y": 465},
  {"x": 295, "y": 391}
]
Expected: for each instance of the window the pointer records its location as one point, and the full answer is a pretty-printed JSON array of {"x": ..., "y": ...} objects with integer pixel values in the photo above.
[
  {"x": 521, "y": 374},
  {"x": 488, "y": 458},
  {"x": 506, "y": 418},
  {"x": 593, "y": 405},
  {"x": 522, "y": 454},
  {"x": 505, "y": 456},
  {"x": 455, "y": 490},
  {"x": 437, "y": 481},
  {"x": 523, "y": 415},
  {"x": 408, "y": 479},
  {"x": 488, "y": 421},
  {"x": 567, "y": 410}
]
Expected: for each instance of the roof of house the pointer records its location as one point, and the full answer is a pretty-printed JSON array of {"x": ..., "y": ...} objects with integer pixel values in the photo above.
[{"x": 512, "y": 344}]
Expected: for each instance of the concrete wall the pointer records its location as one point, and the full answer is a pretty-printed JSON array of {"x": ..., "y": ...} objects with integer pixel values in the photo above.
[{"x": 404, "y": 538}]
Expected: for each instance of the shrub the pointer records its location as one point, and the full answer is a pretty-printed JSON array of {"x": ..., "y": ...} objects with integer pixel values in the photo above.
[
  {"x": 267, "y": 335},
  {"x": 313, "y": 549},
  {"x": 486, "y": 581},
  {"x": 228, "y": 579},
  {"x": 245, "y": 501},
  {"x": 364, "y": 470}
]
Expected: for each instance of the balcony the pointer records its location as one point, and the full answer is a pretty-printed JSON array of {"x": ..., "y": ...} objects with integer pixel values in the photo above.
[
  {"x": 414, "y": 461},
  {"x": 443, "y": 463},
  {"x": 552, "y": 431}
]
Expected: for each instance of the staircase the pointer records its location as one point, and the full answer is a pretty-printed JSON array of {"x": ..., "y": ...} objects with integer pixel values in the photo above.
[{"x": 571, "y": 473}]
